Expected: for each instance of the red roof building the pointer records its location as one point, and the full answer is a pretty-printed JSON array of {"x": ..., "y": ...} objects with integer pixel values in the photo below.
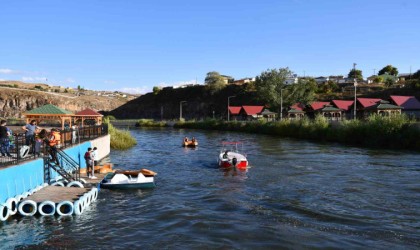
[
  {"x": 318, "y": 105},
  {"x": 367, "y": 102},
  {"x": 252, "y": 110},
  {"x": 407, "y": 102},
  {"x": 88, "y": 115},
  {"x": 88, "y": 112},
  {"x": 298, "y": 106},
  {"x": 343, "y": 104},
  {"x": 234, "y": 110}
]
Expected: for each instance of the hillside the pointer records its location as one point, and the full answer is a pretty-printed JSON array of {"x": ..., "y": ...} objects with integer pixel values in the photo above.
[
  {"x": 17, "y": 97},
  {"x": 200, "y": 104}
]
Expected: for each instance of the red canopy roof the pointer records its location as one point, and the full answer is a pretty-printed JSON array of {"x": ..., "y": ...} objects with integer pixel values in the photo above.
[
  {"x": 407, "y": 102},
  {"x": 234, "y": 110},
  {"x": 318, "y": 105},
  {"x": 88, "y": 112},
  {"x": 343, "y": 104},
  {"x": 298, "y": 106},
  {"x": 252, "y": 110},
  {"x": 367, "y": 102}
]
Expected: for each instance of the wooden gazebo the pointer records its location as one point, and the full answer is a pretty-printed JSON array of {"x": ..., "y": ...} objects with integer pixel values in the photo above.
[
  {"x": 383, "y": 108},
  {"x": 49, "y": 112},
  {"x": 331, "y": 112},
  {"x": 88, "y": 114},
  {"x": 270, "y": 116},
  {"x": 295, "y": 114}
]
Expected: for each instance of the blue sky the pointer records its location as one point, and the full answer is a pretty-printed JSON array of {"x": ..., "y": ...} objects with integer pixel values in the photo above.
[{"x": 135, "y": 45}]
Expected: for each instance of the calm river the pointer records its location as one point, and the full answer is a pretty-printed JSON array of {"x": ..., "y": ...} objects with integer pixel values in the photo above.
[{"x": 296, "y": 194}]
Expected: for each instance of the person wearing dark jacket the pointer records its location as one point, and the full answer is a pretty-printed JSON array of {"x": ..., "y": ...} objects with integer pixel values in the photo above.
[{"x": 4, "y": 139}]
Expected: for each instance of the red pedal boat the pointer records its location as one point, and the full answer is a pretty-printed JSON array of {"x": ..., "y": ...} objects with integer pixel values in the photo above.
[{"x": 230, "y": 157}]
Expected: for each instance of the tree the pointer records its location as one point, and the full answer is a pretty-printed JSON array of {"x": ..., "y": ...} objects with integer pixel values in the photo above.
[
  {"x": 269, "y": 85},
  {"x": 214, "y": 81},
  {"x": 156, "y": 90},
  {"x": 389, "y": 82},
  {"x": 328, "y": 87},
  {"x": 378, "y": 79},
  {"x": 388, "y": 69},
  {"x": 355, "y": 73},
  {"x": 416, "y": 75},
  {"x": 303, "y": 91}
]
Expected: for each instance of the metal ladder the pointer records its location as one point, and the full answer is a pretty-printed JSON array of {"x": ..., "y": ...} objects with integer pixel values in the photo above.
[{"x": 65, "y": 166}]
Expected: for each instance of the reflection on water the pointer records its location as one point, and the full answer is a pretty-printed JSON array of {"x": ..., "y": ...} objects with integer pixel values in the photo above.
[{"x": 297, "y": 194}]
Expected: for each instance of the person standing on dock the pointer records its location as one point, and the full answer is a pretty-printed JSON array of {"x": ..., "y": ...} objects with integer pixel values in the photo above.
[
  {"x": 30, "y": 131},
  {"x": 4, "y": 139},
  {"x": 52, "y": 141},
  {"x": 89, "y": 162},
  {"x": 95, "y": 156}
]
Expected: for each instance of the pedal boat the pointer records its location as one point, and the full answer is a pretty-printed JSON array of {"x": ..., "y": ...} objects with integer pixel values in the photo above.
[{"x": 142, "y": 179}]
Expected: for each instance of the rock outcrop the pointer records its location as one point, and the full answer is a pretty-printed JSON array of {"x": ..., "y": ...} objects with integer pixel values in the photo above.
[{"x": 15, "y": 102}]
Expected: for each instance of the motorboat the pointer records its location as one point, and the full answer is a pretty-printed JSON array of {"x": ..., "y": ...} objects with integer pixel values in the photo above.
[
  {"x": 129, "y": 180},
  {"x": 230, "y": 156}
]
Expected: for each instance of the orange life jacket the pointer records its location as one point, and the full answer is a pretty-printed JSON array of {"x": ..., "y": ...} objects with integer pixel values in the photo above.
[{"x": 55, "y": 138}]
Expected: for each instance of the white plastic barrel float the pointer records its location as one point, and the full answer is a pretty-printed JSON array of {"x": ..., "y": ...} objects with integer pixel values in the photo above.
[
  {"x": 75, "y": 184},
  {"x": 19, "y": 197},
  {"x": 65, "y": 208},
  {"x": 78, "y": 207},
  {"x": 59, "y": 183},
  {"x": 12, "y": 205},
  {"x": 46, "y": 208},
  {"x": 94, "y": 193},
  {"x": 4, "y": 212},
  {"x": 27, "y": 208},
  {"x": 85, "y": 200}
]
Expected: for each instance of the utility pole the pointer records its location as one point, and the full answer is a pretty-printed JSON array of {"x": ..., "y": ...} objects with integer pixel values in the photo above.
[
  {"x": 180, "y": 109},
  {"x": 281, "y": 104},
  {"x": 355, "y": 86},
  {"x": 374, "y": 71}
]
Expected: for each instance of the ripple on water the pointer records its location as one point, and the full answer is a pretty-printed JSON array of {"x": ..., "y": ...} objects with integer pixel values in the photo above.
[{"x": 296, "y": 195}]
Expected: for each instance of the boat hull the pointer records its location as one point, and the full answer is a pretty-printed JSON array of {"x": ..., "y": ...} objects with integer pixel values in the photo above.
[
  {"x": 226, "y": 161},
  {"x": 128, "y": 186},
  {"x": 190, "y": 144}
]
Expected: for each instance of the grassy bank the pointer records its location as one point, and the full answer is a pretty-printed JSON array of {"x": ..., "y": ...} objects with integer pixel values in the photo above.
[
  {"x": 150, "y": 123},
  {"x": 395, "y": 132},
  {"x": 120, "y": 139}
]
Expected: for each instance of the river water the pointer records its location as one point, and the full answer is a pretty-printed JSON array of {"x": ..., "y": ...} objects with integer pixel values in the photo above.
[{"x": 296, "y": 194}]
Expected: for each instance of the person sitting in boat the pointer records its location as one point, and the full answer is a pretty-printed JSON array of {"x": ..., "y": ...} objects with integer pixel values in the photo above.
[
  {"x": 186, "y": 139},
  {"x": 193, "y": 139},
  {"x": 225, "y": 155}
]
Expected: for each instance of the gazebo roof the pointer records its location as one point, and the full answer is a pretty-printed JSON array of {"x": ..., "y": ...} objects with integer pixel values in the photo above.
[
  {"x": 49, "y": 109},
  {"x": 383, "y": 105},
  {"x": 88, "y": 112},
  {"x": 330, "y": 108},
  {"x": 268, "y": 112},
  {"x": 295, "y": 111}
]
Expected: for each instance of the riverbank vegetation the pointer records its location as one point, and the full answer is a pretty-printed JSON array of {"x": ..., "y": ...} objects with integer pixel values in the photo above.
[
  {"x": 150, "y": 123},
  {"x": 120, "y": 139},
  {"x": 392, "y": 132}
]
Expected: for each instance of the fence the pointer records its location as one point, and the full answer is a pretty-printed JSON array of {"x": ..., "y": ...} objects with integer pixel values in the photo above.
[{"x": 21, "y": 152}]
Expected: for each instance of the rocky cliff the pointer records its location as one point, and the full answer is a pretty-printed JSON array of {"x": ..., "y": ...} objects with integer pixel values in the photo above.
[{"x": 15, "y": 102}]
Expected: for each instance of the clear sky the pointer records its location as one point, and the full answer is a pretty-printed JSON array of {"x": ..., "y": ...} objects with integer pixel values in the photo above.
[{"x": 132, "y": 45}]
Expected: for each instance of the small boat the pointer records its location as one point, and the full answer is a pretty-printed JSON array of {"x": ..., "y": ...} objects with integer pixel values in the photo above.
[
  {"x": 129, "y": 180},
  {"x": 231, "y": 157},
  {"x": 189, "y": 143}
]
